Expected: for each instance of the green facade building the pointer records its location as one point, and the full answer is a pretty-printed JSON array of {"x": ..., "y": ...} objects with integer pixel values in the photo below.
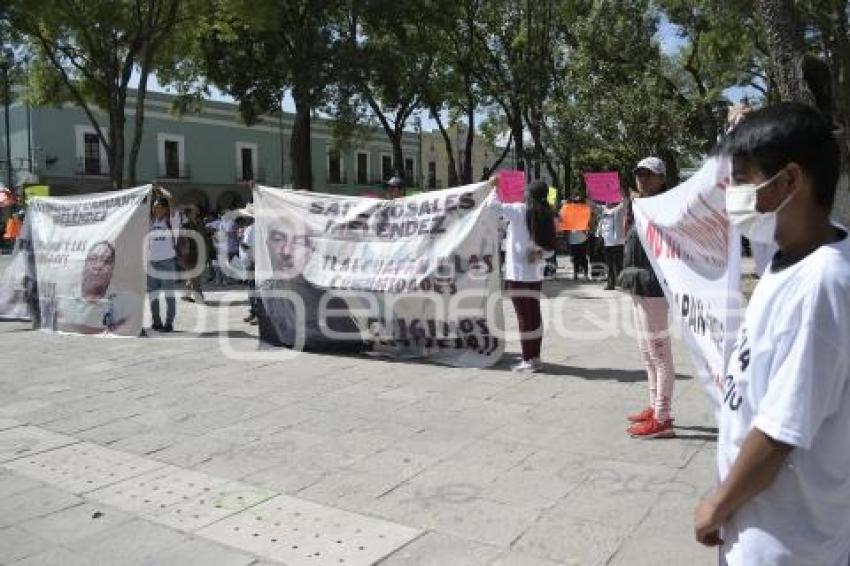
[{"x": 209, "y": 157}]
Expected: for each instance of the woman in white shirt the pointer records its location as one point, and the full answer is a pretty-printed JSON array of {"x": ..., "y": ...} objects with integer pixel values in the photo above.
[{"x": 530, "y": 238}]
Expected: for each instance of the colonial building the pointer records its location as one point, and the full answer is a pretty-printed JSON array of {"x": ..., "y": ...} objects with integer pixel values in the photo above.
[{"x": 209, "y": 157}]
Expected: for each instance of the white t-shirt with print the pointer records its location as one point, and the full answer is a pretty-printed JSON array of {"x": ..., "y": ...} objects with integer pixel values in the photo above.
[
  {"x": 789, "y": 376},
  {"x": 612, "y": 225},
  {"x": 518, "y": 244},
  {"x": 162, "y": 239}
]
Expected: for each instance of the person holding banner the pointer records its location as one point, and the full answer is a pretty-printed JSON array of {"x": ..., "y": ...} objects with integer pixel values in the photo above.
[
  {"x": 530, "y": 238},
  {"x": 650, "y": 313},
  {"x": 162, "y": 260},
  {"x": 784, "y": 420}
]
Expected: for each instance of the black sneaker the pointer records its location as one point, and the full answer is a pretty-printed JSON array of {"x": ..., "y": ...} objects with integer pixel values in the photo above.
[
  {"x": 168, "y": 327},
  {"x": 156, "y": 326}
]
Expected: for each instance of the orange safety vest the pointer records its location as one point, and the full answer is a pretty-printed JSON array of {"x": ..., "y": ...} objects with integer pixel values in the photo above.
[{"x": 13, "y": 228}]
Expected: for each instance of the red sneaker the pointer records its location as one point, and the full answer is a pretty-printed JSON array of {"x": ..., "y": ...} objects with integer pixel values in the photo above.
[
  {"x": 644, "y": 415},
  {"x": 652, "y": 428}
]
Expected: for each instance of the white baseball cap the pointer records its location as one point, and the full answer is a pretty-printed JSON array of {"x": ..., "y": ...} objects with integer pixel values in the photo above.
[{"x": 652, "y": 164}]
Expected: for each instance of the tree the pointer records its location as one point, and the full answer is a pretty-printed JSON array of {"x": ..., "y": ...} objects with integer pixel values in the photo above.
[
  {"x": 256, "y": 51},
  {"x": 809, "y": 49},
  {"x": 92, "y": 49},
  {"x": 388, "y": 60}
]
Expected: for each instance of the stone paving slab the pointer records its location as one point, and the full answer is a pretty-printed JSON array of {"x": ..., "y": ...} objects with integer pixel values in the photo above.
[{"x": 484, "y": 466}]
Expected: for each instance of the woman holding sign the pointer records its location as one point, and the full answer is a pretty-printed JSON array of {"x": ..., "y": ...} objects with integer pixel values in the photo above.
[
  {"x": 530, "y": 239},
  {"x": 650, "y": 311}
]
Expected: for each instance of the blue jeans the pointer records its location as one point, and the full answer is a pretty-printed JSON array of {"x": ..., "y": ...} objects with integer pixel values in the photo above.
[{"x": 167, "y": 268}]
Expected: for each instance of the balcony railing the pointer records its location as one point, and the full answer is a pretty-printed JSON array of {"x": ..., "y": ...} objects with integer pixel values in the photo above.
[
  {"x": 174, "y": 172},
  {"x": 260, "y": 177}
]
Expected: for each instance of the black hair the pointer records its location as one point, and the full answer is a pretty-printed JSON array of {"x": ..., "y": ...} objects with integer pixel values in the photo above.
[
  {"x": 103, "y": 243},
  {"x": 775, "y": 136},
  {"x": 539, "y": 215}
]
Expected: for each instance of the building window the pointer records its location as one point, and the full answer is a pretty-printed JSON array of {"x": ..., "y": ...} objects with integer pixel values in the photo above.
[
  {"x": 246, "y": 162},
  {"x": 432, "y": 174},
  {"x": 386, "y": 167},
  {"x": 334, "y": 167},
  {"x": 171, "y": 156},
  {"x": 172, "y": 159},
  {"x": 408, "y": 170},
  {"x": 91, "y": 154},
  {"x": 362, "y": 168}
]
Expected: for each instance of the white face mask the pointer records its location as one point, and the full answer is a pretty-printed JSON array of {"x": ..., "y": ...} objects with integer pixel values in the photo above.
[{"x": 741, "y": 201}]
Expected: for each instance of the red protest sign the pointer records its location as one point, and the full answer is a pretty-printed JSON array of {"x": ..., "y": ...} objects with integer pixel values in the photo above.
[
  {"x": 511, "y": 185},
  {"x": 604, "y": 186}
]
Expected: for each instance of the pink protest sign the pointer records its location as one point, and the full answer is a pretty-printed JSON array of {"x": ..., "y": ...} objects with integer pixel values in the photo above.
[
  {"x": 511, "y": 186},
  {"x": 603, "y": 187}
]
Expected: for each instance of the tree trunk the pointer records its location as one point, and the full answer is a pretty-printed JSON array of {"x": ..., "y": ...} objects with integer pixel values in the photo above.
[
  {"x": 299, "y": 144},
  {"x": 470, "y": 133},
  {"x": 115, "y": 151},
  {"x": 786, "y": 47},
  {"x": 840, "y": 57},
  {"x": 489, "y": 171},
  {"x": 138, "y": 122},
  {"x": 453, "y": 180},
  {"x": 517, "y": 132},
  {"x": 398, "y": 155}
]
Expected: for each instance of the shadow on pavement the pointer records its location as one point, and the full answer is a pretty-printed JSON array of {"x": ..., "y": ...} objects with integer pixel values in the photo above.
[
  {"x": 705, "y": 433},
  {"x": 595, "y": 374}
]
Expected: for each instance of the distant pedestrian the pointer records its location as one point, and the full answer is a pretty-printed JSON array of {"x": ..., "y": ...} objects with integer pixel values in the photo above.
[
  {"x": 395, "y": 188},
  {"x": 612, "y": 229},
  {"x": 162, "y": 259}
]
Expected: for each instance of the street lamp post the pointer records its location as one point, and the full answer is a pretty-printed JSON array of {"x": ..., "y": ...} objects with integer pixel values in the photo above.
[{"x": 7, "y": 59}]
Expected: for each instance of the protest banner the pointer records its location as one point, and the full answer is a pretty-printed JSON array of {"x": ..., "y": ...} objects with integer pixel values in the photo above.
[
  {"x": 511, "y": 185},
  {"x": 88, "y": 255},
  {"x": 18, "y": 300},
  {"x": 575, "y": 216},
  {"x": 697, "y": 255},
  {"x": 603, "y": 187},
  {"x": 415, "y": 277}
]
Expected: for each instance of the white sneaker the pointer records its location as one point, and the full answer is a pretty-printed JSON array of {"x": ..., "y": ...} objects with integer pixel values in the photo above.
[{"x": 528, "y": 366}]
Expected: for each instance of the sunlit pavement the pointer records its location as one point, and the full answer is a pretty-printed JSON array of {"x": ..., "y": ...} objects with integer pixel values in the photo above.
[{"x": 198, "y": 448}]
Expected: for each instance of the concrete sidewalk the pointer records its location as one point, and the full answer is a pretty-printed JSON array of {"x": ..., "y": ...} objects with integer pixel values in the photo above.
[{"x": 190, "y": 449}]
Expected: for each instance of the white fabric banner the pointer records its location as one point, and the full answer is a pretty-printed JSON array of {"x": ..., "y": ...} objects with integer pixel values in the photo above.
[
  {"x": 416, "y": 277},
  {"x": 18, "y": 294},
  {"x": 89, "y": 261},
  {"x": 697, "y": 256}
]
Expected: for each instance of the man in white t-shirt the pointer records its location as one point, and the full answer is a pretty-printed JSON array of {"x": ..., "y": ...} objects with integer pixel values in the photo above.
[
  {"x": 162, "y": 260},
  {"x": 784, "y": 444},
  {"x": 612, "y": 230}
]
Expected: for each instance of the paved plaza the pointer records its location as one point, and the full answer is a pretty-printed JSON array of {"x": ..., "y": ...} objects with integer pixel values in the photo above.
[{"x": 195, "y": 448}]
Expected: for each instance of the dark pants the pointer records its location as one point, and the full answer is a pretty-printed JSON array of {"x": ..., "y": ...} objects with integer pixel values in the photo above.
[
  {"x": 614, "y": 263},
  {"x": 162, "y": 277},
  {"x": 578, "y": 253},
  {"x": 253, "y": 299},
  {"x": 525, "y": 296}
]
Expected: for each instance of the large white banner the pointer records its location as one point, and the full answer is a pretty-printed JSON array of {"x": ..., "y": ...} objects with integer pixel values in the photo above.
[
  {"x": 697, "y": 255},
  {"x": 89, "y": 261},
  {"x": 416, "y": 277}
]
